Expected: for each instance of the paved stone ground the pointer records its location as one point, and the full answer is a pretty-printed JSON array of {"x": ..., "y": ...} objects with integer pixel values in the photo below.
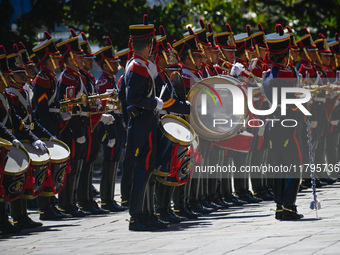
[{"x": 250, "y": 229}]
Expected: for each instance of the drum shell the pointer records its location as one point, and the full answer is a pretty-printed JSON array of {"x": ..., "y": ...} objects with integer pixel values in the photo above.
[
  {"x": 56, "y": 178},
  {"x": 37, "y": 173},
  {"x": 14, "y": 181}
]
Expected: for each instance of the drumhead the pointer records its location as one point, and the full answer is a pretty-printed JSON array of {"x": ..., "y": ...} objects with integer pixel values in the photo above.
[
  {"x": 59, "y": 151},
  {"x": 37, "y": 156},
  {"x": 177, "y": 129},
  {"x": 4, "y": 143},
  {"x": 17, "y": 161},
  {"x": 212, "y": 99}
]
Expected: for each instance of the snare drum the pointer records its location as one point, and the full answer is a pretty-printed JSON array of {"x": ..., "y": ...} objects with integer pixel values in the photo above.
[
  {"x": 40, "y": 162},
  {"x": 14, "y": 179},
  {"x": 60, "y": 154},
  {"x": 173, "y": 159}
]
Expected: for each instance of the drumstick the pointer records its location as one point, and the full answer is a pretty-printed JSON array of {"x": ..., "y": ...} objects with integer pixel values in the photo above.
[{"x": 163, "y": 90}]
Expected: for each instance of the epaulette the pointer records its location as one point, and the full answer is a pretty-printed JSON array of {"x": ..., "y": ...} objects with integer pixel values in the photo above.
[
  {"x": 139, "y": 69},
  {"x": 42, "y": 80},
  {"x": 285, "y": 73},
  {"x": 307, "y": 68},
  {"x": 13, "y": 99},
  {"x": 69, "y": 79}
]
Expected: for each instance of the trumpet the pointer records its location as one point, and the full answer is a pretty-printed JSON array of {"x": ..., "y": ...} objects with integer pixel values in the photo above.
[
  {"x": 66, "y": 106},
  {"x": 105, "y": 102}
]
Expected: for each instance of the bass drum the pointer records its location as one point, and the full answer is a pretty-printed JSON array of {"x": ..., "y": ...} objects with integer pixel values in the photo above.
[
  {"x": 14, "y": 177},
  {"x": 213, "y": 102}
]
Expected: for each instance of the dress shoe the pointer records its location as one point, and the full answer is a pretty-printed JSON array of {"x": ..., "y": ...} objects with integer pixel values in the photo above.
[
  {"x": 153, "y": 220},
  {"x": 125, "y": 204},
  {"x": 186, "y": 213},
  {"x": 328, "y": 180},
  {"x": 247, "y": 196},
  {"x": 234, "y": 200},
  {"x": 177, "y": 216},
  {"x": 53, "y": 214},
  {"x": 198, "y": 207},
  {"x": 206, "y": 204},
  {"x": 25, "y": 222},
  {"x": 221, "y": 203},
  {"x": 290, "y": 213},
  {"x": 94, "y": 210},
  {"x": 278, "y": 212},
  {"x": 139, "y": 224},
  {"x": 264, "y": 195},
  {"x": 7, "y": 228},
  {"x": 75, "y": 211},
  {"x": 112, "y": 206},
  {"x": 165, "y": 215}
]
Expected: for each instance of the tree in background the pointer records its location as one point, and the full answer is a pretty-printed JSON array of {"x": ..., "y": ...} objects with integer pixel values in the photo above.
[{"x": 100, "y": 18}]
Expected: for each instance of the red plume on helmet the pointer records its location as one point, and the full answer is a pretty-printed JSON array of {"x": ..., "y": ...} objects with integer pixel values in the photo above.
[
  {"x": 190, "y": 30},
  {"x": 83, "y": 35},
  {"x": 306, "y": 30},
  {"x": 336, "y": 36},
  {"x": 162, "y": 30},
  {"x": 2, "y": 50},
  {"x": 277, "y": 28},
  {"x": 260, "y": 27},
  {"x": 146, "y": 19},
  {"x": 202, "y": 23},
  {"x": 210, "y": 29},
  {"x": 108, "y": 40},
  {"x": 322, "y": 36},
  {"x": 290, "y": 30},
  {"x": 21, "y": 46},
  {"x": 73, "y": 33},
  {"x": 280, "y": 30},
  {"x": 15, "y": 48},
  {"x": 248, "y": 30},
  {"x": 47, "y": 35},
  {"x": 228, "y": 28}
]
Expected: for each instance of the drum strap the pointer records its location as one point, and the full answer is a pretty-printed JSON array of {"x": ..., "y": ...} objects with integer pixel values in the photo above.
[
  {"x": 24, "y": 101},
  {"x": 6, "y": 106},
  {"x": 189, "y": 73},
  {"x": 129, "y": 65}
]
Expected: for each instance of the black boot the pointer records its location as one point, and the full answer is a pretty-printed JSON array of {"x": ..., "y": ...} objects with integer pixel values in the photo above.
[
  {"x": 48, "y": 211},
  {"x": 278, "y": 212},
  {"x": 21, "y": 220},
  {"x": 290, "y": 213},
  {"x": 5, "y": 226}
]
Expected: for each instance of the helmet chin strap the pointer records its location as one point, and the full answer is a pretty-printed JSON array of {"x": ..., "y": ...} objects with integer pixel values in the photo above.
[
  {"x": 17, "y": 83},
  {"x": 3, "y": 79},
  {"x": 108, "y": 64},
  {"x": 192, "y": 58},
  {"x": 53, "y": 62},
  {"x": 73, "y": 59}
]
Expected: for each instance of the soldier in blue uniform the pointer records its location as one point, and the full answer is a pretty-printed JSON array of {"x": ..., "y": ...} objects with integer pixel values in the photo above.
[
  {"x": 285, "y": 142},
  {"x": 114, "y": 140},
  {"x": 174, "y": 105},
  {"x": 73, "y": 131},
  {"x": 95, "y": 132},
  {"x": 142, "y": 128},
  {"x": 47, "y": 112}
]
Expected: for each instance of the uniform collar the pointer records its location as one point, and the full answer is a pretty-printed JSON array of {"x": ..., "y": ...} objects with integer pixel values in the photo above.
[
  {"x": 47, "y": 70},
  {"x": 279, "y": 66},
  {"x": 108, "y": 75},
  {"x": 141, "y": 58},
  {"x": 72, "y": 71},
  {"x": 194, "y": 71}
]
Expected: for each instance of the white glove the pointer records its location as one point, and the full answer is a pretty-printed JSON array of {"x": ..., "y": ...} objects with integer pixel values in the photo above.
[
  {"x": 111, "y": 142},
  {"x": 153, "y": 69},
  {"x": 65, "y": 116},
  {"x": 159, "y": 103},
  {"x": 107, "y": 119},
  {"x": 81, "y": 139},
  {"x": 17, "y": 143},
  {"x": 40, "y": 145},
  {"x": 187, "y": 102},
  {"x": 237, "y": 69},
  {"x": 52, "y": 138}
]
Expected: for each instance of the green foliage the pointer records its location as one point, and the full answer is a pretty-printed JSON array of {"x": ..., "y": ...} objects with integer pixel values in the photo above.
[{"x": 100, "y": 18}]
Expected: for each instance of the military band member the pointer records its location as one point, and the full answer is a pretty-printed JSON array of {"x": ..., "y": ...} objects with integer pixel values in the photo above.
[
  {"x": 113, "y": 143},
  {"x": 284, "y": 141},
  {"x": 73, "y": 131},
  {"x": 142, "y": 129}
]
